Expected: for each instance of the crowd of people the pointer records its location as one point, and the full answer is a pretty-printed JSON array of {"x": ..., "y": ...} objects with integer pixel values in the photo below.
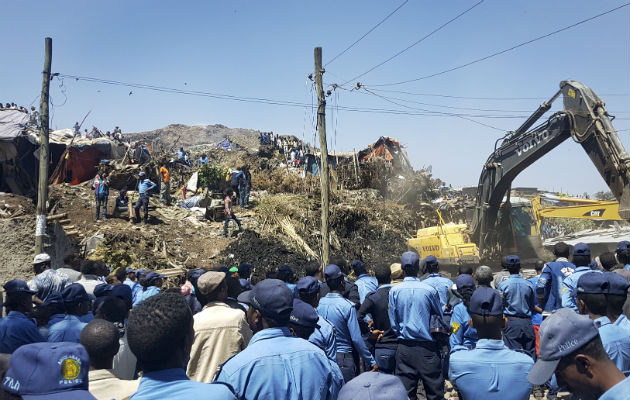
[
  {"x": 86, "y": 331},
  {"x": 96, "y": 133},
  {"x": 34, "y": 117}
]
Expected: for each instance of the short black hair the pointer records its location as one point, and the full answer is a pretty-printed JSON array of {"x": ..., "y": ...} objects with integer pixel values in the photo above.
[
  {"x": 89, "y": 267},
  {"x": 596, "y": 303},
  {"x": 157, "y": 328},
  {"x": 594, "y": 348},
  {"x": 514, "y": 268},
  {"x": 233, "y": 286},
  {"x": 383, "y": 274},
  {"x": 608, "y": 260},
  {"x": 623, "y": 256},
  {"x": 341, "y": 263},
  {"x": 581, "y": 261},
  {"x": 101, "y": 340},
  {"x": 112, "y": 309},
  {"x": 335, "y": 284},
  {"x": 466, "y": 269},
  {"x": 615, "y": 303},
  {"x": 311, "y": 268},
  {"x": 561, "y": 249},
  {"x": 120, "y": 273},
  {"x": 301, "y": 331},
  {"x": 504, "y": 263},
  {"x": 486, "y": 325},
  {"x": 539, "y": 265}
]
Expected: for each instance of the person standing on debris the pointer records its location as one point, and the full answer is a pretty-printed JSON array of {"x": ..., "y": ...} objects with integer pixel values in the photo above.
[
  {"x": 122, "y": 204},
  {"x": 34, "y": 118},
  {"x": 46, "y": 280},
  {"x": 17, "y": 329},
  {"x": 100, "y": 185},
  {"x": 144, "y": 187},
  {"x": 549, "y": 284},
  {"x": 77, "y": 129},
  {"x": 229, "y": 212},
  {"x": 247, "y": 186},
  {"x": 203, "y": 160},
  {"x": 165, "y": 185},
  {"x": 151, "y": 284},
  {"x": 242, "y": 187},
  {"x": 581, "y": 260}
]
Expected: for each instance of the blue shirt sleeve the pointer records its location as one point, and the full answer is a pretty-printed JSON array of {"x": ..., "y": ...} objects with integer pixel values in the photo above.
[
  {"x": 543, "y": 285},
  {"x": 457, "y": 337},
  {"x": 391, "y": 311},
  {"x": 357, "y": 339},
  {"x": 567, "y": 290}
]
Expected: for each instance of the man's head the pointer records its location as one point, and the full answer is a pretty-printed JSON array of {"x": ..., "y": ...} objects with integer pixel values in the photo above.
[
  {"x": 623, "y": 252},
  {"x": 616, "y": 295},
  {"x": 341, "y": 263},
  {"x": 211, "y": 286},
  {"x": 90, "y": 267},
  {"x": 608, "y": 260},
  {"x": 286, "y": 274},
  {"x": 483, "y": 275},
  {"x": 76, "y": 300},
  {"x": 513, "y": 264},
  {"x": 466, "y": 269},
  {"x": 581, "y": 255},
  {"x": 120, "y": 274},
  {"x": 245, "y": 270},
  {"x": 410, "y": 263},
  {"x": 334, "y": 278},
  {"x": 383, "y": 274},
  {"x": 561, "y": 249},
  {"x": 101, "y": 341},
  {"x": 303, "y": 320},
  {"x": 591, "y": 298},
  {"x": 131, "y": 273},
  {"x": 112, "y": 309},
  {"x": 358, "y": 267},
  {"x": 271, "y": 302},
  {"x": 486, "y": 313},
  {"x": 308, "y": 290},
  {"x": 430, "y": 265},
  {"x": 312, "y": 268},
  {"x": 160, "y": 332},
  {"x": 539, "y": 265},
  {"x": 18, "y": 296},
  {"x": 154, "y": 279},
  {"x": 41, "y": 262}
]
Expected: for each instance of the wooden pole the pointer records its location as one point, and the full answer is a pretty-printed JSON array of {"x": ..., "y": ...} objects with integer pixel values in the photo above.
[
  {"x": 324, "y": 178},
  {"x": 42, "y": 187}
]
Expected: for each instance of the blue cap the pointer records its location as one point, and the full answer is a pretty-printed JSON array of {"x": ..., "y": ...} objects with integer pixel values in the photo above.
[
  {"x": 140, "y": 272},
  {"x": 74, "y": 293},
  {"x": 53, "y": 298},
  {"x": 17, "y": 286},
  {"x": 592, "y": 283},
  {"x": 129, "y": 270},
  {"x": 624, "y": 245},
  {"x": 617, "y": 284},
  {"x": 152, "y": 277},
  {"x": 430, "y": 260},
  {"x": 357, "y": 264},
  {"x": 581, "y": 249},
  {"x": 486, "y": 301},
  {"x": 102, "y": 290},
  {"x": 304, "y": 314},
  {"x": 374, "y": 386},
  {"x": 308, "y": 285},
  {"x": 272, "y": 298},
  {"x": 332, "y": 271},
  {"x": 410, "y": 259},
  {"x": 563, "y": 332},
  {"x": 512, "y": 261},
  {"x": 464, "y": 280},
  {"x": 123, "y": 292},
  {"x": 286, "y": 269},
  {"x": 49, "y": 371}
]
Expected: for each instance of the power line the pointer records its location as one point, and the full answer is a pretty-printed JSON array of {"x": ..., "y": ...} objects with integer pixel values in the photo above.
[
  {"x": 503, "y": 51},
  {"x": 480, "y": 98},
  {"x": 367, "y": 33},
  {"x": 415, "y": 43}
]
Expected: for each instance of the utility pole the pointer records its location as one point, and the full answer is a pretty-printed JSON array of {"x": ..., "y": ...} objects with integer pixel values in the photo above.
[
  {"x": 324, "y": 178},
  {"x": 42, "y": 187}
]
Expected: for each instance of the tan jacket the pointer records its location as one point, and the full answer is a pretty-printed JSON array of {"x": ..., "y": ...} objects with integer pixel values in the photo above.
[
  {"x": 220, "y": 332},
  {"x": 105, "y": 386}
]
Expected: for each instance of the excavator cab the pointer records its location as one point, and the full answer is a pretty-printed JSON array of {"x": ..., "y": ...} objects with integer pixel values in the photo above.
[{"x": 519, "y": 231}]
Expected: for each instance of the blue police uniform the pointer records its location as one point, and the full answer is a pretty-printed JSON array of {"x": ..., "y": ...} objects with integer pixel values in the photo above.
[
  {"x": 174, "y": 384},
  {"x": 366, "y": 284},
  {"x": 618, "y": 392},
  {"x": 325, "y": 338},
  {"x": 549, "y": 285},
  {"x": 144, "y": 186},
  {"x": 616, "y": 342},
  {"x": 135, "y": 289},
  {"x": 536, "y": 316},
  {"x": 491, "y": 371},
  {"x": 411, "y": 304},
  {"x": 343, "y": 316},
  {"x": 67, "y": 330},
  {"x": 570, "y": 285},
  {"x": 463, "y": 334},
  {"x": 622, "y": 322},
  {"x": 129, "y": 283},
  {"x": 277, "y": 365},
  {"x": 16, "y": 329},
  {"x": 518, "y": 307},
  {"x": 145, "y": 293},
  {"x": 87, "y": 317},
  {"x": 441, "y": 284}
]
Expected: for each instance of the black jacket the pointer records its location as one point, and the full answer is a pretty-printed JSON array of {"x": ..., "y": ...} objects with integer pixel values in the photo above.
[{"x": 376, "y": 304}]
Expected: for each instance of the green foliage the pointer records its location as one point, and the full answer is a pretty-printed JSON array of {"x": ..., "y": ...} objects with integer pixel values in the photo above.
[
  {"x": 211, "y": 176},
  {"x": 605, "y": 196}
]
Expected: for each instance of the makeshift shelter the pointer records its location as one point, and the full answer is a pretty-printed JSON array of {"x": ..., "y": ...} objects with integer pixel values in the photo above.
[
  {"x": 18, "y": 164},
  {"x": 387, "y": 150}
]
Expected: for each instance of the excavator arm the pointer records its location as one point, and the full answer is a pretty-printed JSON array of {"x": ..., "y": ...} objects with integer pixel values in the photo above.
[{"x": 584, "y": 119}]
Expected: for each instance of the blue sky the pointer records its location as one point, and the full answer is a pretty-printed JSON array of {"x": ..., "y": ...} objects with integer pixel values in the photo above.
[{"x": 265, "y": 50}]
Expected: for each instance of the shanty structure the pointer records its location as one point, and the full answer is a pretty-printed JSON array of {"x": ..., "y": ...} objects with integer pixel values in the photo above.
[{"x": 386, "y": 149}]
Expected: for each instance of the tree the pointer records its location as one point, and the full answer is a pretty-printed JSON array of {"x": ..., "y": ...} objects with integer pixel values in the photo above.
[{"x": 605, "y": 195}]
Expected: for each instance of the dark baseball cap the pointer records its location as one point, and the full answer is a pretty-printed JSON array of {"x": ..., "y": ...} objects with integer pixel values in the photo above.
[
  {"x": 486, "y": 301},
  {"x": 102, "y": 290},
  {"x": 74, "y": 293},
  {"x": 332, "y": 271},
  {"x": 623, "y": 245},
  {"x": 464, "y": 280},
  {"x": 49, "y": 371},
  {"x": 410, "y": 259},
  {"x": 308, "y": 285},
  {"x": 592, "y": 283},
  {"x": 429, "y": 260},
  {"x": 304, "y": 314},
  {"x": 617, "y": 284},
  {"x": 563, "y": 332},
  {"x": 272, "y": 298},
  {"x": 512, "y": 260},
  {"x": 140, "y": 272},
  {"x": 17, "y": 286},
  {"x": 357, "y": 264},
  {"x": 286, "y": 269},
  {"x": 152, "y": 277},
  {"x": 581, "y": 249},
  {"x": 123, "y": 292},
  {"x": 130, "y": 270},
  {"x": 374, "y": 386},
  {"x": 53, "y": 298}
]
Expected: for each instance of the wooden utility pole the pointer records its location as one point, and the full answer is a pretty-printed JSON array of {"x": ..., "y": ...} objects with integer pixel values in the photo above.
[
  {"x": 42, "y": 187},
  {"x": 324, "y": 178}
]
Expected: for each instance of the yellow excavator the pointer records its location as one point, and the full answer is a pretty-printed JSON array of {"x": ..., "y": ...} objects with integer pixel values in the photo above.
[{"x": 573, "y": 207}]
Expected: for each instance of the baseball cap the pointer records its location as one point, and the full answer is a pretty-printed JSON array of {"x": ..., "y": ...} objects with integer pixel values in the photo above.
[
  {"x": 373, "y": 386},
  {"x": 130, "y": 270},
  {"x": 49, "y": 371},
  {"x": 104, "y": 289},
  {"x": 271, "y": 297},
  {"x": 53, "y": 298},
  {"x": 152, "y": 277},
  {"x": 623, "y": 245},
  {"x": 486, "y": 301},
  {"x": 141, "y": 174},
  {"x": 563, "y": 332},
  {"x": 410, "y": 259},
  {"x": 123, "y": 292},
  {"x": 140, "y": 272},
  {"x": 17, "y": 286},
  {"x": 245, "y": 268},
  {"x": 357, "y": 264},
  {"x": 464, "y": 280},
  {"x": 512, "y": 260},
  {"x": 41, "y": 258},
  {"x": 430, "y": 260},
  {"x": 581, "y": 249},
  {"x": 592, "y": 283},
  {"x": 617, "y": 284},
  {"x": 304, "y": 314},
  {"x": 74, "y": 293},
  {"x": 209, "y": 281},
  {"x": 308, "y": 285},
  {"x": 332, "y": 271}
]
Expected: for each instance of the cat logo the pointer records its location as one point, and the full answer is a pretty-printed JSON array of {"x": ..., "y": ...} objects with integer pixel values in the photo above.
[{"x": 595, "y": 213}]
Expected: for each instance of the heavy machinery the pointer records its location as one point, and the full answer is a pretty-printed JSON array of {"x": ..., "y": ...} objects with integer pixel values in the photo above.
[{"x": 500, "y": 225}]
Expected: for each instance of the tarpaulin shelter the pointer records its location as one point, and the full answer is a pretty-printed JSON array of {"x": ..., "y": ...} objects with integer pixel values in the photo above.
[{"x": 18, "y": 165}]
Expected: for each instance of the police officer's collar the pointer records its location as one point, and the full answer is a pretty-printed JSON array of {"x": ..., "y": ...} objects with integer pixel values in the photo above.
[
  {"x": 411, "y": 278},
  {"x": 270, "y": 333},
  {"x": 562, "y": 259}
]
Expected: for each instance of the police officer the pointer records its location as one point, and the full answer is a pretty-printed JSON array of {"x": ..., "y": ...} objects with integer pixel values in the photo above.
[
  {"x": 431, "y": 267},
  {"x": 519, "y": 306},
  {"x": 411, "y": 305},
  {"x": 144, "y": 187},
  {"x": 276, "y": 364},
  {"x": 16, "y": 329},
  {"x": 591, "y": 301},
  {"x": 365, "y": 283},
  {"x": 303, "y": 320},
  {"x": 490, "y": 370},
  {"x": 549, "y": 284},
  {"x": 324, "y": 335},
  {"x": 616, "y": 298},
  {"x": 623, "y": 254},
  {"x": 77, "y": 302},
  {"x": 463, "y": 334},
  {"x": 581, "y": 260}
]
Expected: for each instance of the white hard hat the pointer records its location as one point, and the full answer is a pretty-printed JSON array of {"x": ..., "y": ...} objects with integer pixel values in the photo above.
[{"x": 41, "y": 258}]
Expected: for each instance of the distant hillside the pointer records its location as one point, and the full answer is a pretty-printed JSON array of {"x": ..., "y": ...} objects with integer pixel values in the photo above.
[{"x": 188, "y": 136}]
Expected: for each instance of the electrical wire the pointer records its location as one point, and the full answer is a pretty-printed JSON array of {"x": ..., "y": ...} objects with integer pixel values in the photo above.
[
  {"x": 367, "y": 33},
  {"x": 414, "y": 43},
  {"x": 477, "y": 98},
  {"x": 504, "y": 50}
]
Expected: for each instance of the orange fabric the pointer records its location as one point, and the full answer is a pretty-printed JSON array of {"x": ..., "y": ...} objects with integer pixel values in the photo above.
[
  {"x": 166, "y": 177},
  {"x": 536, "y": 328}
]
